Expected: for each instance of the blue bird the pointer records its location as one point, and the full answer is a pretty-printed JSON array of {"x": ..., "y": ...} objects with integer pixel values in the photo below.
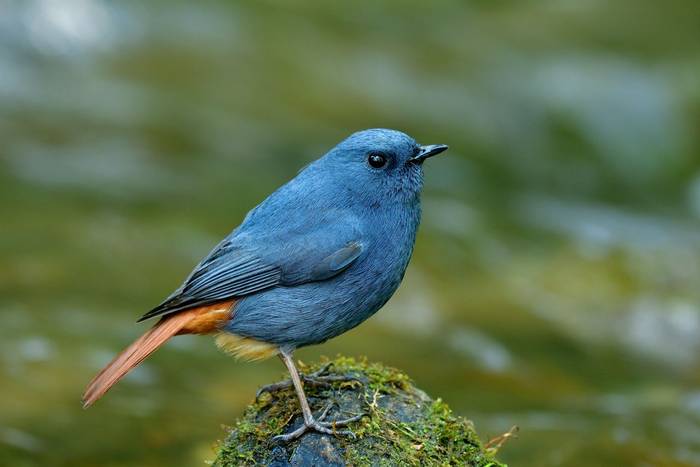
[{"x": 316, "y": 258}]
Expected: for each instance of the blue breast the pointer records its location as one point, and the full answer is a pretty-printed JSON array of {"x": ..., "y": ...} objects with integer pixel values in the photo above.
[{"x": 314, "y": 312}]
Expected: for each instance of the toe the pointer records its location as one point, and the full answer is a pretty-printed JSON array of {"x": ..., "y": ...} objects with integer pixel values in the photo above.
[{"x": 344, "y": 422}]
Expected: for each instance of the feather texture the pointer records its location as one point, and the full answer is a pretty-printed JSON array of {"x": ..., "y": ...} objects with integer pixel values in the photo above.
[
  {"x": 202, "y": 320},
  {"x": 316, "y": 258},
  {"x": 227, "y": 272},
  {"x": 245, "y": 348}
]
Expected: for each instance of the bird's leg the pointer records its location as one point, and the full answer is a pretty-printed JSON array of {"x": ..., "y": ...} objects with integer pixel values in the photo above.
[
  {"x": 318, "y": 378},
  {"x": 310, "y": 423}
]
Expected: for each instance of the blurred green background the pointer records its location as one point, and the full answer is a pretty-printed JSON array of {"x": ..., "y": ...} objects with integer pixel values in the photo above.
[{"x": 556, "y": 280}]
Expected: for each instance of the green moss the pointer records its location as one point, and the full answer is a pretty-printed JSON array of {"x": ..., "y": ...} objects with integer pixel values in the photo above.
[{"x": 402, "y": 425}]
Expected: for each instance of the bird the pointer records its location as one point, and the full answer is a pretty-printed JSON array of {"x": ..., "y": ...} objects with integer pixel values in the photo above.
[{"x": 316, "y": 258}]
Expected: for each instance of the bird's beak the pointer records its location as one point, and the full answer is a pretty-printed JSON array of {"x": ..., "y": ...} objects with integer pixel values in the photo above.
[{"x": 428, "y": 151}]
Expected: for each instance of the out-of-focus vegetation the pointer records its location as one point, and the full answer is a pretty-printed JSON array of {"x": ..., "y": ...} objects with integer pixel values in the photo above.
[{"x": 556, "y": 280}]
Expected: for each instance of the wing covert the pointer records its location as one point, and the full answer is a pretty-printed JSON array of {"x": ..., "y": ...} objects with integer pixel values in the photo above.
[
  {"x": 251, "y": 260},
  {"x": 227, "y": 272}
]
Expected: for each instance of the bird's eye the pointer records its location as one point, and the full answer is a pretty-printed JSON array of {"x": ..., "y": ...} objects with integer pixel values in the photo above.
[{"x": 376, "y": 160}]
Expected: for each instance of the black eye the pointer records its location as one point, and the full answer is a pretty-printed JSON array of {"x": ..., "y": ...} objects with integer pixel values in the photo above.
[{"x": 376, "y": 160}]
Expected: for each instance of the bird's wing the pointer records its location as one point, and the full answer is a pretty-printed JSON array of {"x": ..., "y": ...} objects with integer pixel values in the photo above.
[
  {"x": 254, "y": 259},
  {"x": 227, "y": 272}
]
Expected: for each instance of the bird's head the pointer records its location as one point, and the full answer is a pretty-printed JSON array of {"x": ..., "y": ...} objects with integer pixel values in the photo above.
[{"x": 380, "y": 165}]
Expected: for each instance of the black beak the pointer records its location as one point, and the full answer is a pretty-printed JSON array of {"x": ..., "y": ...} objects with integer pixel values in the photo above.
[{"x": 428, "y": 151}]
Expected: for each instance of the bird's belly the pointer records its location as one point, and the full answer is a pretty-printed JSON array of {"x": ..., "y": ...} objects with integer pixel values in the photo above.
[{"x": 314, "y": 312}]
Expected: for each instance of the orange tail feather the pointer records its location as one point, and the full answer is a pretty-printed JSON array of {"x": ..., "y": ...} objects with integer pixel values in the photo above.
[{"x": 199, "y": 320}]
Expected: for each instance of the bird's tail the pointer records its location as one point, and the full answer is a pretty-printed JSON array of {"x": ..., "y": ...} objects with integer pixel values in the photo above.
[{"x": 196, "y": 321}]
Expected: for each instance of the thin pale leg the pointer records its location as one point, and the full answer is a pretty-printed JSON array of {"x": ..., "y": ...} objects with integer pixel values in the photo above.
[{"x": 310, "y": 423}]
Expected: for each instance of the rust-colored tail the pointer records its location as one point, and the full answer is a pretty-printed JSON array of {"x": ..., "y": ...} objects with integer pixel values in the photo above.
[{"x": 201, "y": 320}]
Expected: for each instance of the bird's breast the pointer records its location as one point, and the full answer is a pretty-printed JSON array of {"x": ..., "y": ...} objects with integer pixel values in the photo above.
[{"x": 314, "y": 312}]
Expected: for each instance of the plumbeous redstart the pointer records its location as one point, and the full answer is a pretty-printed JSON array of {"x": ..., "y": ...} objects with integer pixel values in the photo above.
[{"x": 316, "y": 258}]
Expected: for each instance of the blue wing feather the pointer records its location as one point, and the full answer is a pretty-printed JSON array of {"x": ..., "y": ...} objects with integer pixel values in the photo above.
[{"x": 249, "y": 261}]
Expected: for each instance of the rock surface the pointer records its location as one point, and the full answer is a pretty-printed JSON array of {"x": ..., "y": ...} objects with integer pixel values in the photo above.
[{"x": 402, "y": 426}]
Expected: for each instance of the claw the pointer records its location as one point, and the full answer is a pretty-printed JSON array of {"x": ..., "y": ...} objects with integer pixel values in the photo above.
[
  {"x": 317, "y": 424},
  {"x": 318, "y": 378},
  {"x": 345, "y": 422},
  {"x": 310, "y": 422},
  {"x": 325, "y": 412},
  {"x": 313, "y": 425},
  {"x": 274, "y": 387}
]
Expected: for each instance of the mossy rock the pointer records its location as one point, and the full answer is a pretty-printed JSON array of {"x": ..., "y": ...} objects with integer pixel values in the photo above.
[{"x": 402, "y": 426}]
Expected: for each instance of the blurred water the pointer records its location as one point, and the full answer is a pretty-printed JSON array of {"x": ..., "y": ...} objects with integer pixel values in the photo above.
[{"x": 555, "y": 280}]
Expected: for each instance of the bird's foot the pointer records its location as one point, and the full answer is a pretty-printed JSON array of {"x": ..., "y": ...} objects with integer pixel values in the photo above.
[
  {"x": 319, "y": 378},
  {"x": 318, "y": 425}
]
